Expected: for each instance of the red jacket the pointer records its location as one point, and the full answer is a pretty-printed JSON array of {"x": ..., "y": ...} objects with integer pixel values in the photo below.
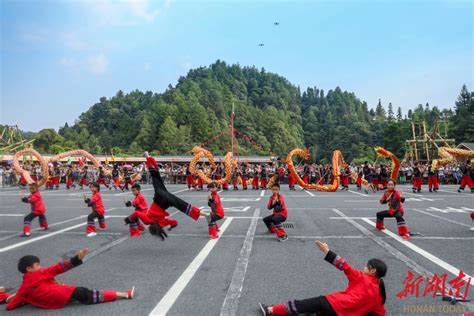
[
  {"x": 97, "y": 204},
  {"x": 394, "y": 201},
  {"x": 217, "y": 208},
  {"x": 279, "y": 210},
  {"x": 40, "y": 289},
  {"x": 139, "y": 203},
  {"x": 37, "y": 205},
  {"x": 361, "y": 297}
]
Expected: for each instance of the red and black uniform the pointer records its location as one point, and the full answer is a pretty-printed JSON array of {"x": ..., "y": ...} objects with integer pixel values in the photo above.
[
  {"x": 417, "y": 179},
  {"x": 291, "y": 181},
  {"x": 466, "y": 178},
  {"x": 345, "y": 177},
  {"x": 69, "y": 179},
  {"x": 281, "y": 174},
  {"x": 306, "y": 174},
  {"x": 40, "y": 289},
  {"x": 376, "y": 179},
  {"x": 359, "y": 179},
  {"x": 280, "y": 214},
  {"x": 140, "y": 205},
  {"x": 83, "y": 178},
  {"x": 245, "y": 177},
  {"x": 189, "y": 179},
  {"x": 37, "y": 210},
  {"x": 263, "y": 178},
  {"x": 98, "y": 211},
  {"x": 116, "y": 177},
  {"x": 255, "y": 180},
  {"x": 235, "y": 177},
  {"x": 102, "y": 178},
  {"x": 128, "y": 178},
  {"x": 55, "y": 180},
  {"x": 362, "y": 296},
  {"x": 217, "y": 213},
  {"x": 395, "y": 209},
  {"x": 432, "y": 179},
  {"x": 162, "y": 200}
]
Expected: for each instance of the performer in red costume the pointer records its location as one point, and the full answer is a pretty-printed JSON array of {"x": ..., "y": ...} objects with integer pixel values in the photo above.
[
  {"x": 40, "y": 289},
  {"x": 365, "y": 294}
]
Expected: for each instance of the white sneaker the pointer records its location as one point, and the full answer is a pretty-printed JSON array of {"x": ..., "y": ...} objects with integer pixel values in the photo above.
[
  {"x": 472, "y": 229},
  {"x": 93, "y": 234}
]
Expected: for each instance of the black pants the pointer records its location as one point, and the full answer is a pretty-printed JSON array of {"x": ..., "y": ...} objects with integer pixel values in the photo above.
[
  {"x": 383, "y": 214},
  {"x": 318, "y": 305},
  {"x": 273, "y": 219},
  {"x": 94, "y": 215},
  {"x": 28, "y": 218},
  {"x": 86, "y": 296},
  {"x": 164, "y": 198}
]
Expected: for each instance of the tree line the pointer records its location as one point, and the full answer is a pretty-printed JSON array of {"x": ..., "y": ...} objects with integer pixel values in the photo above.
[{"x": 269, "y": 110}]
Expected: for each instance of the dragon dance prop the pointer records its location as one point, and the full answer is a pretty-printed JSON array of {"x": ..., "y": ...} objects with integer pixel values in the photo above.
[
  {"x": 272, "y": 181},
  {"x": 447, "y": 155},
  {"x": 337, "y": 161},
  {"x": 395, "y": 162},
  {"x": 229, "y": 163},
  {"x": 44, "y": 162}
]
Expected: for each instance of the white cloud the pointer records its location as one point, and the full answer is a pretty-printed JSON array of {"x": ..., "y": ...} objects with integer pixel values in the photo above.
[
  {"x": 125, "y": 12},
  {"x": 72, "y": 40},
  {"x": 96, "y": 64}
]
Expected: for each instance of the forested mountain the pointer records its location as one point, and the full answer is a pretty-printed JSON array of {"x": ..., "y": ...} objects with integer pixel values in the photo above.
[{"x": 269, "y": 110}]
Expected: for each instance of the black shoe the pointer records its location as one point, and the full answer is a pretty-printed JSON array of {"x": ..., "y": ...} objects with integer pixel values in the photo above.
[
  {"x": 127, "y": 221},
  {"x": 419, "y": 190},
  {"x": 264, "y": 309},
  {"x": 25, "y": 235},
  {"x": 430, "y": 190},
  {"x": 283, "y": 238}
]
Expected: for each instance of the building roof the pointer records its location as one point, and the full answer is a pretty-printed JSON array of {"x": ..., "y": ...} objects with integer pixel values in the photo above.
[{"x": 470, "y": 146}]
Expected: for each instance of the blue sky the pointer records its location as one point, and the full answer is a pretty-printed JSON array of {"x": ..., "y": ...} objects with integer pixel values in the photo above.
[{"x": 59, "y": 57}]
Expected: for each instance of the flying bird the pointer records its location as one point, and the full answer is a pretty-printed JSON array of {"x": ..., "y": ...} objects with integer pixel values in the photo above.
[
  {"x": 276, "y": 23},
  {"x": 261, "y": 44}
]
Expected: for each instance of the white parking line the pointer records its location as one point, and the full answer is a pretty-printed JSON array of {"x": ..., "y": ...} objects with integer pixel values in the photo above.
[
  {"x": 440, "y": 217},
  {"x": 231, "y": 301},
  {"x": 366, "y": 195},
  {"x": 12, "y": 215},
  {"x": 262, "y": 193},
  {"x": 31, "y": 240},
  {"x": 173, "y": 293},
  {"x": 443, "y": 264}
]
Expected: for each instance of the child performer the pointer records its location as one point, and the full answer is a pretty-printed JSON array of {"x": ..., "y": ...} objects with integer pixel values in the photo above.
[
  {"x": 139, "y": 203},
  {"x": 102, "y": 179},
  {"x": 394, "y": 199},
  {"x": 280, "y": 213},
  {"x": 162, "y": 200},
  {"x": 345, "y": 178},
  {"x": 69, "y": 179},
  {"x": 417, "y": 177},
  {"x": 98, "y": 210},
  {"x": 83, "y": 177},
  {"x": 432, "y": 179},
  {"x": 40, "y": 289},
  {"x": 37, "y": 210},
  {"x": 116, "y": 178},
  {"x": 217, "y": 211},
  {"x": 466, "y": 177},
  {"x": 365, "y": 294}
]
